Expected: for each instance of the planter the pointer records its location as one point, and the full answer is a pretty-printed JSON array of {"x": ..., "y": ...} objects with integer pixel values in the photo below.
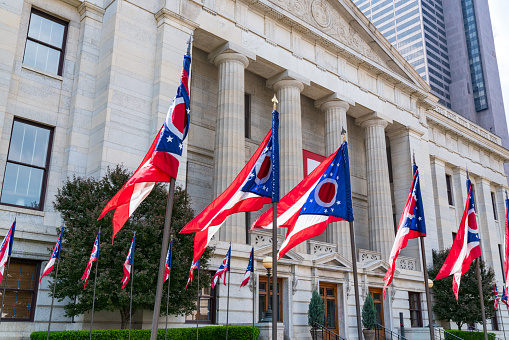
[
  {"x": 369, "y": 334},
  {"x": 316, "y": 333}
]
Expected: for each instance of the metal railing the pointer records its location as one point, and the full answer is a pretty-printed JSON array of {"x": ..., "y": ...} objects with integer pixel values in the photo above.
[
  {"x": 474, "y": 334},
  {"x": 382, "y": 333},
  {"x": 442, "y": 334},
  {"x": 321, "y": 332}
]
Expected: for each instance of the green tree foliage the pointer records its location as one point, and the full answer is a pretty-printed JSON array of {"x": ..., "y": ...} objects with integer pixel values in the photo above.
[
  {"x": 368, "y": 313},
  {"x": 316, "y": 312},
  {"x": 80, "y": 201},
  {"x": 468, "y": 308}
]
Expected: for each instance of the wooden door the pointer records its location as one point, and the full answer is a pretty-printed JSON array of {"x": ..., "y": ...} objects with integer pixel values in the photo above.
[
  {"x": 263, "y": 296},
  {"x": 329, "y": 295},
  {"x": 376, "y": 294}
]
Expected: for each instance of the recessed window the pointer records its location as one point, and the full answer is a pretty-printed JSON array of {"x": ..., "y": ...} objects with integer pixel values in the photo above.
[
  {"x": 45, "y": 45},
  {"x": 27, "y": 165},
  {"x": 494, "y": 205},
  {"x": 20, "y": 291},
  {"x": 207, "y": 307},
  {"x": 264, "y": 293},
  {"x": 448, "y": 182},
  {"x": 247, "y": 115},
  {"x": 415, "y": 309}
]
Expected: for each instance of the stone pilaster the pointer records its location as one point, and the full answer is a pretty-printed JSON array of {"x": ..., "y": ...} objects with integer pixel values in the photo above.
[
  {"x": 229, "y": 151},
  {"x": 335, "y": 120},
  {"x": 487, "y": 230},
  {"x": 460, "y": 193},
  {"x": 445, "y": 219},
  {"x": 380, "y": 219}
]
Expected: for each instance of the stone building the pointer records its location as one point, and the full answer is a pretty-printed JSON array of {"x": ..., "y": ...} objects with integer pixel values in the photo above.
[{"x": 87, "y": 85}]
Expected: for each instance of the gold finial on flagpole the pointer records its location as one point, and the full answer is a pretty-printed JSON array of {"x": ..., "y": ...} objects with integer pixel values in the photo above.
[
  {"x": 275, "y": 102},
  {"x": 343, "y": 133}
]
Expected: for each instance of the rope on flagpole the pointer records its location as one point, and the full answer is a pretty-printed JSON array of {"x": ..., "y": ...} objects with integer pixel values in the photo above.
[
  {"x": 479, "y": 283},
  {"x": 131, "y": 301},
  {"x": 95, "y": 284},
  {"x": 53, "y": 296},
  {"x": 168, "y": 293}
]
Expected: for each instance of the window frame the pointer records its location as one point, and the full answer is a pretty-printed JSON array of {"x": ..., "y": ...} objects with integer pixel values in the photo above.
[
  {"x": 33, "y": 302},
  {"x": 268, "y": 295},
  {"x": 450, "y": 193},
  {"x": 64, "y": 37},
  {"x": 247, "y": 115},
  {"x": 45, "y": 168},
  {"x": 418, "y": 310},
  {"x": 494, "y": 205},
  {"x": 213, "y": 307}
]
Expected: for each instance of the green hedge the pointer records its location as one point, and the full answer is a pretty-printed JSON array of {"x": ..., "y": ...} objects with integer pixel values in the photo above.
[
  {"x": 209, "y": 332},
  {"x": 465, "y": 335}
]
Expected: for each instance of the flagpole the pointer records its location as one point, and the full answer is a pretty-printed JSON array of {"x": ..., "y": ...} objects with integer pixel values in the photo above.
[
  {"x": 93, "y": 299},
  {"x": 355, "y": 281},
  {"x": 131, "y": 301},
  {"x": 479, "y": 283},
  {"x": 198, "y": 304},
  {"x": 52, "y": 298},
  {"x": 162, "y": 260},
  {"x": 5, "y": 285},
  {"x": 275, "y": 312},
  {"x": 428, "y": 295},
  {"x": 228, "y": 295},
  {"x": 168, "y": 296},
  {"x": 502, "y": 320},
  {"x": 254, "y": 297}
]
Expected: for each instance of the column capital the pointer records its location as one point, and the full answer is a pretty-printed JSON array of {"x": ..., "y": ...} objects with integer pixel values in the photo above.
[
  {"x": 334, "y": 100},
  {"x": 231, "y": 51},
  {"x": 287, "y": 78},
  {"x": 373, "y": 119}
]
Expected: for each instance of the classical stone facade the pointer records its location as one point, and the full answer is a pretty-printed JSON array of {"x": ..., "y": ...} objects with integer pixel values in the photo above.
[{"x": 329, "y": 67}]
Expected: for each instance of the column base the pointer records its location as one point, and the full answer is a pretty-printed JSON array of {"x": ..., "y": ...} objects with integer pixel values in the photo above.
[{"x": 266, "y": 330}]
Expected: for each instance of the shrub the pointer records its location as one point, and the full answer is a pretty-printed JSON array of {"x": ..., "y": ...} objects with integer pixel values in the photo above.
[
  {"x": 208, "y": 332},
  {"x": 316, "y": 311},
  {"x": 466, "y": 335},
  {"x": 368, "y": 313}
]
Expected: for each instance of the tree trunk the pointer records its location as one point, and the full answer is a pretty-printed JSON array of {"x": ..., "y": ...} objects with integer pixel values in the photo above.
[
  {"x": 124, "y": 316},
  {"x": 459, "y": 324}
]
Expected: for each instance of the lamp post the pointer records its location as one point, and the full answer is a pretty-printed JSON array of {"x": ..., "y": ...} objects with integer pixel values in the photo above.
[{"x": 267, "y": 263}]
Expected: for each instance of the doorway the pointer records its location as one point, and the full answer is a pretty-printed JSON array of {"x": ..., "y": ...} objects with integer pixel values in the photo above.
[
  {"x": 376, "y": 294},
  {"x": 329, "y": 294}
]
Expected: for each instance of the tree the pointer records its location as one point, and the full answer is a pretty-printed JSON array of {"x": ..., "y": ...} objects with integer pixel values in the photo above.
[
  {"x": 316, "y": 311},
  {"x": 468, "y": 308},
  {"x": 368, "y": 313},
  {"x": 80, "y": 201}
]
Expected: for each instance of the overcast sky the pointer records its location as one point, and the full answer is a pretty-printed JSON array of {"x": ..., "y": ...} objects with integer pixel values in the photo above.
[{"x": 499, "y": 10}]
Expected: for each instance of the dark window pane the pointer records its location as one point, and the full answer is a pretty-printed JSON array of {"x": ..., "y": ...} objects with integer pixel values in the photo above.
[
  {"x": 18, "y": 303},
  {"x": 22, "y": 185},
  {"x": 330, "y": 292},
  {"x": 331, "y": 313}
]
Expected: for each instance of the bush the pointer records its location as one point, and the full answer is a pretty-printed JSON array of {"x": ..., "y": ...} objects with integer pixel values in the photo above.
[
  {"x": 316, "y": 311},
  {"x": 368, "y": 313},
  {"x": 209, "y": 332},
  {"x": 466, "y": 335}
]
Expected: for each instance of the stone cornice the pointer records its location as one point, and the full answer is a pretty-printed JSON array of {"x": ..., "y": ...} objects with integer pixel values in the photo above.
[
  {"x": 164, "y": 15},
  {"x": 88, "y": 9}
]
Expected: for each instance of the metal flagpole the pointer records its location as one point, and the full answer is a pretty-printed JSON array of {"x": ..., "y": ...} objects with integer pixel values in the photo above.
[
  {"x": 228, "y": 295},
  {"x": 131, "y": 302},
  {"x": 162, "y": 260},
  {"x": 355, "y": 281},
  {"x": 254, "y": 297},
  {"x": 198, "y": 304},
  {"x": 93, "y": 299},
  {"x": 428, "y": 295},
  {"x": 479, "y": 283},
  {"x": 168, "y": 295},
  {"x": 53, "y": 298},
  {"x": 502, "y": 320},
  {"x": 5, "y": 285},
  {"x": 275, "y": 312}
]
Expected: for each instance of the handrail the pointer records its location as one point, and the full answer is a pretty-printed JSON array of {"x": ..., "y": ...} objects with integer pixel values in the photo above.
[
  {"x": 321, "y": 332},
  {"x": 450, "y": 336},
  {"x": 382, "y": 333}
]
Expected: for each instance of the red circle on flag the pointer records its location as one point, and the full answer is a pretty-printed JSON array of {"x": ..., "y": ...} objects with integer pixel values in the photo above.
[
  {"x": 325, "y": 192},
  {"x": 263, "y": 169}
]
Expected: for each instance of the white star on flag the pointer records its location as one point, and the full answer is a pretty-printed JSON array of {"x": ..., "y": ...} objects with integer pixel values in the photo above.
[
  {"x": 180, "y": 146},
  {"x": 169, "y": 139}
]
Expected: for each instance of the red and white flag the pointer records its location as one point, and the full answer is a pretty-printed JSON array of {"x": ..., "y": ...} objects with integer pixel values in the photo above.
[
  {"x": 249, "y": 270},
  {"x": 194, "y": 265},
  {"x": 94, "y": 257},
  {"x": 6, "y": 249},
  {"x": 128, "y": 264},
  {"x": 162, "y": 160},
  {"x": 54, "y": 255},
  {"x": 465, "y": 248}
]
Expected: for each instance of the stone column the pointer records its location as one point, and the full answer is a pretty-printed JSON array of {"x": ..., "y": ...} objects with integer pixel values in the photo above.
[
  {"x": 445, "y": 219},
  {"x": 335, "y": 120},
  {"x": 380, "y": 219},
  {"x": 487, "y": 231},
  {"x": 229, "y": 150}
]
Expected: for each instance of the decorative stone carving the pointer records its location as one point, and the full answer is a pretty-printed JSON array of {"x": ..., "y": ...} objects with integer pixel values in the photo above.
[
  {"x": 320, "y": 14},
  {"x": 368, "y": 255},
  {"x": 408, "y": 263},
  {"x": 295, "y": 282},
  {"x": 263, "y": 238},
  {"x": 317, "y": 248},
  {"x": 347, "y": 286}
]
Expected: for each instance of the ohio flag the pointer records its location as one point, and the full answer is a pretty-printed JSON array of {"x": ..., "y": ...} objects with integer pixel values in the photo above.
[
  {"x": 411, "y": 225},
  {"x": 257, "y": 184},
  {"x": 128, "y": 264},
  {"x": 94, "y": 257},
  {"x": 167, "y": 264},
  {"x": 161, "y": 162},
  {"x": 323, "y": 197},
  {"x": 54, "y": 255},
  {"x": 249, "y": 270},
  {"x": 223, "y": 269},
  {"x": 6, "y": 249},
  {"x": 466, "y": 246},
  {"x": 504, "y": 296},
  {"x": 194, "y": 265}
]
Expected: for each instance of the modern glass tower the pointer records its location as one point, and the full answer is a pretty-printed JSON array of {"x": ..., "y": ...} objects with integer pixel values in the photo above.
[{"x": 450, "y": 44}]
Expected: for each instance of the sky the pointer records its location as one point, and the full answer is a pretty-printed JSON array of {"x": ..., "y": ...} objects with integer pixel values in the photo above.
[{"x": 499, "y": 11}]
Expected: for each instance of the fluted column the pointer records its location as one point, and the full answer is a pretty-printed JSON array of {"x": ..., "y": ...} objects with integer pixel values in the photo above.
[
  {"x": 335, "y": 120},
  {"x": 290, "y": 133},
  {"x": 229, "y": 150},
  {"x": 380, "y": 219}
]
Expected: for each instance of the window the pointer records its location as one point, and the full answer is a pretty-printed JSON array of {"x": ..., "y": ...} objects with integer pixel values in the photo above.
[
  {"x": 45, "y": 45},
  {"x": 378, "y": 303},
  {"x": 27, "y": 165},
  {"x": 207, "y": 307},
  {"x": 263, "y": 296},
  {"x": 21, "y": 290},
  {"x": 448, "y": 182},
  {"x": 415, "y": 309},
  {"x": 453, "y": 236},
  {"x": 473, "y": 196},
  {"x": 494, "y": 205},
  {"x": 494, "y": 322},
  {"x": 247, "y": 115}
]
